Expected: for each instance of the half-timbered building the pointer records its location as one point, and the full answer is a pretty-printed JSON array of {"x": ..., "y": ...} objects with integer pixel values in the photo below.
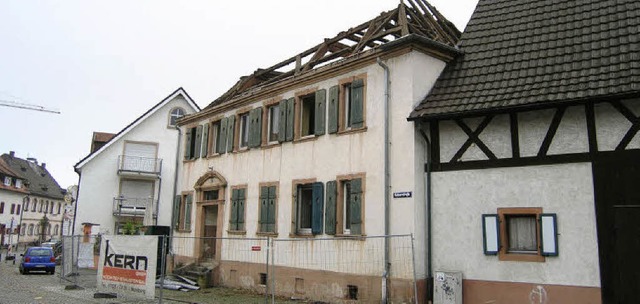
[{"x": 535, "y": 154}]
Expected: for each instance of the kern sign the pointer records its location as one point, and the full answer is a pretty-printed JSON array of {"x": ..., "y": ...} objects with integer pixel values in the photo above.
[{"x": 128, "y": 265}]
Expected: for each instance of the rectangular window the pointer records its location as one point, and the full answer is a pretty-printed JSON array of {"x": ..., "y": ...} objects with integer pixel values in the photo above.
[
  {"x": 236, "y": 218},
  {"x": 7, "y": 181},
  {"x": 346, "y": 105},
  {"x": 348, "y": 216},
  {"x": 13, "y": 208},
  {"x": 182, "y": 211},
  {"x": 35, "y": 204},
  {"x": 18, "y": 183},
  {"x": 273, "y": 123},
  {"x": 307, "y": 115},
  {"x": 243, "y": 120},
  {"x": 210, "y": 195},
  {"x": 520, "y": 234},
  {"x": 1, "y": 207},
  {"x": 308, "y": 208},
  {"x": 193, "y": 143},
  {"x": 18, "y": 210},
  {"x": 215, "y": 137},
  {"x": 268, "y": 203}
]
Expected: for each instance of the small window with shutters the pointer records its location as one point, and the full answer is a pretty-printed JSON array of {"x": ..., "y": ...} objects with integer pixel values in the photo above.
[
  {"x": 273, "y": 124},
  {"x": 268, "y": 208},
  {"x": 237, "y": 206},
  {"x": 307, "y": 115},
  {"x": 214, "y": 137},
  {"x": 344, "y": 205},
  {"x": 309, "y": 208},
  {"x": 182, "y": 209},
  {"x": 243, "y": 121},
  {"x": 346, "y": 105},
  {"x": 310, "y": 109}
]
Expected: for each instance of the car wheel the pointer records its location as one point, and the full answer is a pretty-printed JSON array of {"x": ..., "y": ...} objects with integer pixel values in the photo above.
[{"x": 53, "y": 271}]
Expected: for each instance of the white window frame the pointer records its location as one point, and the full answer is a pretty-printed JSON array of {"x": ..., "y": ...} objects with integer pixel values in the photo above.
[
  {"x": 174, "y": 115},
  {"x": 303, "y": 230},
  {"x": 346, "y": 207},
  {"x": 7, "y": 181}
]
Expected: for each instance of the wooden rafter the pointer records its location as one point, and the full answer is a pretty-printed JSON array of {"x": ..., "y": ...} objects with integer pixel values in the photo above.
[{"x": 416, "y": 17}]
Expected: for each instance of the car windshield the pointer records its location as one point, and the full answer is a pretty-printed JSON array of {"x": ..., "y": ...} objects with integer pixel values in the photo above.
[{"x": 40, "y": 252}]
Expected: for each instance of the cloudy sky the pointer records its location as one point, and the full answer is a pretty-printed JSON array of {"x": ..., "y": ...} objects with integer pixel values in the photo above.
[{"x": 104, "y": 63}]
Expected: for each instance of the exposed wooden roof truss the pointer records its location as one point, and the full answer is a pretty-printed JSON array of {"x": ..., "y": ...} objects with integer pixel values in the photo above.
[{"x": 413, "y": 17}]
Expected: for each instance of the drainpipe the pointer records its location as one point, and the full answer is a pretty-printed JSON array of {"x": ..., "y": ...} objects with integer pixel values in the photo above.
[
  {"x": 427, "y": 211},
  {"x": 155, "y": 218},
  {"x": 75, "y": 207},
  {"x": 387, "y": 266},
  {"x": 175, "y": 181}
]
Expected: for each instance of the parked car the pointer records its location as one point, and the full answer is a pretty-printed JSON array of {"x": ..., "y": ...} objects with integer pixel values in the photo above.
[{"x": 38, "y": 259}]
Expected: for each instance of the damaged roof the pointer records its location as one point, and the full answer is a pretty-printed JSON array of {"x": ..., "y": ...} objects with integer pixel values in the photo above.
[
  {"x": 416, "y": 17},
  {"x": 520, "y": 53}
]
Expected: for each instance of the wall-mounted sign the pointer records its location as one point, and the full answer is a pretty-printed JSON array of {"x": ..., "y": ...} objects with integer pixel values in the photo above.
[
  {"x": 402, "y": 194},
  {"x": 255, "y": 248}
]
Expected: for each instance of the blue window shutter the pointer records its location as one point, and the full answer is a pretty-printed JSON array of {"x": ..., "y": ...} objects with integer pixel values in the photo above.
[
  {"x": 241, "y": 202},
  {"x": 176, "y": 211},
  {"x": 330, "y": 209},
  {"x": 187, "y": 212},
  {"x": 282, "y": 132},
  {"x": 221, "y": 146},
  {"x": 205, "y": 140},
  {"x": 187, "y": 148},
  {"x": 357, "y": 103},
  {"x": 233, "y": 218},
  {"x": 355, "y": 201},
  {"x": 198, "y": 145},
  {"x": 320, "y": 112},
  {"x": 231, "y": 124},
  {"x": 317, "y": 208},
  {"x": 290, "y": 116}
]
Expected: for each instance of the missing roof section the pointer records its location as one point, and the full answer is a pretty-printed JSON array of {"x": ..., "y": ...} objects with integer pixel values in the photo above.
[{"x": 416, "y": 17}]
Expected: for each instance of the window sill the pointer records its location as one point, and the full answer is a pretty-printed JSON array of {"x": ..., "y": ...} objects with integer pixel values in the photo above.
[
  {"x": 237, "y": 232},
  {"x": 191, "y": 160},
  {"x": 520, "y": 257},
  {"x": 305, "y": 139},
  {"x": 358, "y": 237},
  {"x": 302, "y": 236},
  {"x": 213, "y": 155},
  {"x": 352, "y": 131},
  {"x": 274, "y": 234},
  {"x": 270, "y": 145},
  {"x": 183, "y": 231}
]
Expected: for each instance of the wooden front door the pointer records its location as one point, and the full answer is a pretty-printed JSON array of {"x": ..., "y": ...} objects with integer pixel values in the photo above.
[{"x": 617, "y": 198}]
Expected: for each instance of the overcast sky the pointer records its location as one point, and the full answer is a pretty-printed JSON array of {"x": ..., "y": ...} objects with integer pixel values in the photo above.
[{"x": 104, "y": 63}]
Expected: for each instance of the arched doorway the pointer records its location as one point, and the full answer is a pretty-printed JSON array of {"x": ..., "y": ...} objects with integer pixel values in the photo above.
[{"x": 210, "y": 196}]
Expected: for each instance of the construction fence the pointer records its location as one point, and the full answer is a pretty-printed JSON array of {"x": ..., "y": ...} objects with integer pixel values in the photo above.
[{"x": 266, "y": 270}]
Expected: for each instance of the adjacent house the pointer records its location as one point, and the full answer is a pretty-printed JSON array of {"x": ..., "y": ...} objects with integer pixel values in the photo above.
[
  {"x": 127, "y": 180},
  {"x": 312, "y": 148},
  {"x": 31, "y": 199},
  {"x": 535, "y": 153}
]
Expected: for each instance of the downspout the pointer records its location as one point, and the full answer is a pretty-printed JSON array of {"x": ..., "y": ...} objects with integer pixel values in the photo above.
[
  {"x": 155, "y": 218},
  {"x": 75, "y": 207},
  {"x": 387, "y": 266},
  {"x": 427, "y": 211},
  {"x": 175, "y": 181}
]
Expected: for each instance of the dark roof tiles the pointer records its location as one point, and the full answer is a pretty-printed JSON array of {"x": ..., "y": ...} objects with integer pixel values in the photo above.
[{"x": 524, "y": 52}]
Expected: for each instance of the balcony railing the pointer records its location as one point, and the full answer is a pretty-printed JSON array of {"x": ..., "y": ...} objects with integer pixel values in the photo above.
[
  {"x": 137, "y": 164},
  {"x": 133, "y": 206}
]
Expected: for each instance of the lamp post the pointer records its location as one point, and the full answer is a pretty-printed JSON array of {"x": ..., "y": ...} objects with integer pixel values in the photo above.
[{"x": 25, "y": 200}]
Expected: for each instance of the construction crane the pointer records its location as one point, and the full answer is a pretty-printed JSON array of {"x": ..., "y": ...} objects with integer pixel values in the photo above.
[{"x": 19, "y": 105}]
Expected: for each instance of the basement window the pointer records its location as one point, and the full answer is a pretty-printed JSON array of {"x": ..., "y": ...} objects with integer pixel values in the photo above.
[{"x": 352, "y": 292}]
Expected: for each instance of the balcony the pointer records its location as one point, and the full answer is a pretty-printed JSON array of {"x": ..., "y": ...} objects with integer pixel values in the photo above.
[
  {"x": 133, "y": 206},
  {"x": 139, "y": 166}
]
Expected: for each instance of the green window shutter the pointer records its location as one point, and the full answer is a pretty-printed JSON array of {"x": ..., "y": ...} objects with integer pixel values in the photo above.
[
  {"x": 330, "y": 209},
  {"x": 282, "y": 127},
  {"x": 222, "y": 139},
  {"x": 264, "y": 208},
  {"x": 255, "y": 128},
  {"x": 290, "y": 116},
  {"x": 355, "y": 201},
  {"x": 198, "y": 144},
  {"x": 317, "y": 209},
  {"x": 241, "y": 202},
  {"x": 357, "y": 103},
  {"x": 231, "y": 125},
  {"x": 176, "y": 211},
  {"x": 271, "y": 214},
  {"x": 205, "y": 140},
  {"x": 320, "y": 112},
  {"x": 187, "y": 212},
  {"x": 333, "y": 109},
  {"x": 187, "y": 148},
  {"x": 233, "y": 218}
]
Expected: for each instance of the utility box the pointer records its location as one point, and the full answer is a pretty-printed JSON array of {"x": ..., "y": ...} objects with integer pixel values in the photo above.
[{"x": 447, "y": 287}]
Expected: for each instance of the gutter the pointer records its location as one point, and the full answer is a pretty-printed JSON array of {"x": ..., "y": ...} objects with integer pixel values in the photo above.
[
  {"x": 175, "y": 181},
  {"x": 387, "y": 266},
  {"x": 427, "y": 211},
  {"x": 75, "y": 208}
]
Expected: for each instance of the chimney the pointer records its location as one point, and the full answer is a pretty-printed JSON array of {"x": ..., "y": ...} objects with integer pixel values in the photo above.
[
  {"x": 44, "y": 166},
  {"x": 12, "y": 153}
]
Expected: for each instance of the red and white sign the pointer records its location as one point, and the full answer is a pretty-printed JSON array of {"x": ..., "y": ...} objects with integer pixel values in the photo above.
[{"x": 255, "y": 248}]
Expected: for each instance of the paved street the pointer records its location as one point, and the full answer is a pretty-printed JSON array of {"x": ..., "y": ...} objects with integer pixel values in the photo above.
[{"x": 43, "y": 288}]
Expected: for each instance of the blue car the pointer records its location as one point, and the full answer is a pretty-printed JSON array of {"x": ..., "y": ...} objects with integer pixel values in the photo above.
[{"x": 38, "y": 259}]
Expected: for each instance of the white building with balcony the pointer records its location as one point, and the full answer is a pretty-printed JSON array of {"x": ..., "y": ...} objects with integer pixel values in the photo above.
[{"x": 128, "y": 178}]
